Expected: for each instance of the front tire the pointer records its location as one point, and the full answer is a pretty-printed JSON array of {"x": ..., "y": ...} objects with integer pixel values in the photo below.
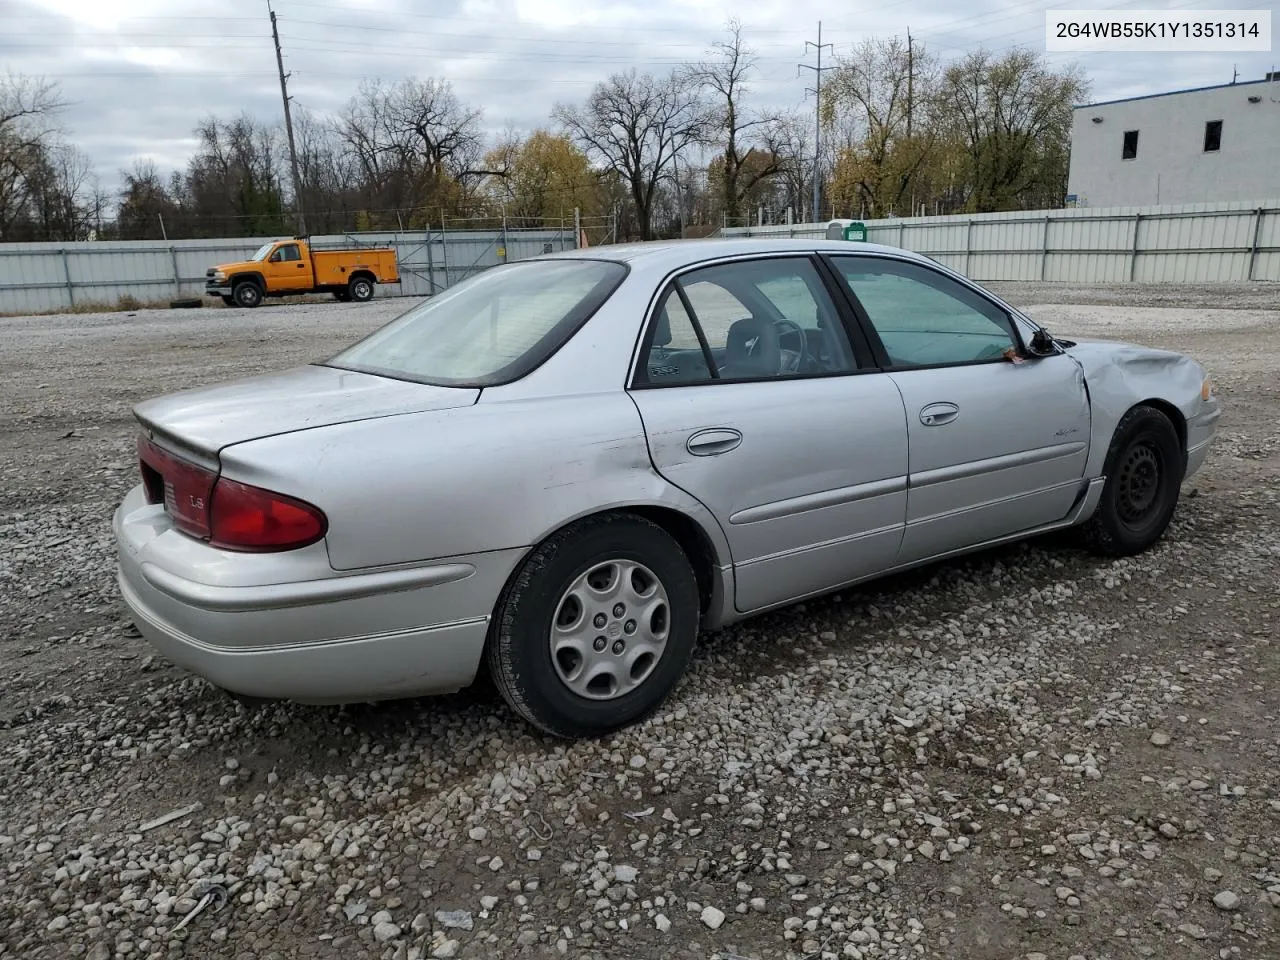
[
  {"x": 1145, "y": 467},
  {"x": 597, "y": 627},
  {"x": 247, "y": 294}
]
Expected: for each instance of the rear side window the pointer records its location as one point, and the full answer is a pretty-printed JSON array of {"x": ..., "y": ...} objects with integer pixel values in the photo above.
[
  {"x": 492, "y": 328},
  {"x": 748, "y": 320}
]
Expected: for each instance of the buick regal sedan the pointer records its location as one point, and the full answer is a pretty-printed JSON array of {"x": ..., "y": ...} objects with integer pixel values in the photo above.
[{"x": 565, "y": 468}]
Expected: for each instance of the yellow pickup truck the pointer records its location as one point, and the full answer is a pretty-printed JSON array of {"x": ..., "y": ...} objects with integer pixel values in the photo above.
[{"x": 288, "y": 267}]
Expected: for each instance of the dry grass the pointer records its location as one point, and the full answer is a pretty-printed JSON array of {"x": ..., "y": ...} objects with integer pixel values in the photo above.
[
  {"x": 129, "y": 304},
  {"x": 124, "y": 304}
]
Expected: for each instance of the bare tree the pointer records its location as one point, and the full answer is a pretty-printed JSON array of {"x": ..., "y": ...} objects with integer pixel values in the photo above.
[
  {"x": 328, "y": 174},
  {"x": 33, "y": 159},
  {"x": 731, "y": 126},
  {"x": 145, "y": 203},
  {"x": 792, "y": 136},
  {"x": 1013, "y": 114},
  {"x": 415, "y": 143},
  {"x": 636, "y": 125},
  {"x": 235, "y": 180},
  {"x": 882, "y": 97}
]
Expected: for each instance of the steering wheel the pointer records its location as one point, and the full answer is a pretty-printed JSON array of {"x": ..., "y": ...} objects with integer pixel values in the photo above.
[{"x": 804, "y": 340}]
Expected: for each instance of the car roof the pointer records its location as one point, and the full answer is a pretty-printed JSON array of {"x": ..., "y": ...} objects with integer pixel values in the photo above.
[{"x": 673, "y": 254}]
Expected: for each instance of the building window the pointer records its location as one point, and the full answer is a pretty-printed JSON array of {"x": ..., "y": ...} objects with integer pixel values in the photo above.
[
  {"x": 1213, "y": 136},
  {"x": 1130, "y": 149}
]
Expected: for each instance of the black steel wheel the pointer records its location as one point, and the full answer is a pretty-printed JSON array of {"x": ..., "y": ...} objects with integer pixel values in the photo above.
[{"x": 1144, "y": 469}]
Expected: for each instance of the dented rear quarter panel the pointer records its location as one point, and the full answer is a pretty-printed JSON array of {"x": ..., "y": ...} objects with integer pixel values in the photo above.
[
  {"x": 438, "y": 484},
  {"x": 1121, "y": 375}
]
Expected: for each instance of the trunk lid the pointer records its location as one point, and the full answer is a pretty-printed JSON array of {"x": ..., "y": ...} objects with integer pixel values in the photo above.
[{"x": 206, "y": 419}]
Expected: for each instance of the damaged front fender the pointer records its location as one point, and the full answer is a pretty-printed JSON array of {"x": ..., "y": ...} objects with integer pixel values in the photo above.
[{"x": 1119, "y": 376}]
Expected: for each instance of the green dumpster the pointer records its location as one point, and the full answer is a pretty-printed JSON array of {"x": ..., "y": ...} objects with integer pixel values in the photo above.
[{"x": 856, "y": 231}]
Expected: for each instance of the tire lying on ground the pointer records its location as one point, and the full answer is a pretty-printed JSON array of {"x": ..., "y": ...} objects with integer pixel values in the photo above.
[{"x": 185, "y": 303}]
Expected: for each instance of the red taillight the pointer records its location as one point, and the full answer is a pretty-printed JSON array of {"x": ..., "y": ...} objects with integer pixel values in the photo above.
[
  {"x": 229, "y": 514},
  {"x": 184, "y": 488},
  {"x": 250, "y": 518}
]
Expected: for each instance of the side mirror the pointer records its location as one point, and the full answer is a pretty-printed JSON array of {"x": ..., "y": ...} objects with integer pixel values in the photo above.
[{"x": 1042, "y": 344}]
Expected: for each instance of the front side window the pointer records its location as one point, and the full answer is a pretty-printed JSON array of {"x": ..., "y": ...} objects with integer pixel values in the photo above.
[
  {"x": 748, "y": 320},
  {"x": 924, "y": 318},
  {"x": 492, "y": 328},
  {"x": 287, "y": 253}
]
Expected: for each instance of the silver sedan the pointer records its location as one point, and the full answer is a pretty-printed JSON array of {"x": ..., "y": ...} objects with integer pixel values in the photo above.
[{"x": 565, "y": 468}]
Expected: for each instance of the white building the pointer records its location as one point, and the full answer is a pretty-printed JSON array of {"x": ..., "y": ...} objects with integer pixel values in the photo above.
[{"x": 1189, "y": 146}]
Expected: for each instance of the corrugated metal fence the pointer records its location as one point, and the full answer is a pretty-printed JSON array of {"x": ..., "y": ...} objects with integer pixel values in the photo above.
[
  {"x": 36, "y": 277},
  {"x": 1193, "y": 243},
  {"x": 1170, "y": 244}
]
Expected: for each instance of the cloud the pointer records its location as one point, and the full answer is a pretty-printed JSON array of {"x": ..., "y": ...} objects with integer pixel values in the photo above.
[{"x": 141, "y": 73}]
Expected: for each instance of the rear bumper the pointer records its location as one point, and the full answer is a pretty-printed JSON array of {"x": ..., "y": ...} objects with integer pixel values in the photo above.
[
  {"x": 382, "y": 666},
  {"x": 316, "y": 637}
]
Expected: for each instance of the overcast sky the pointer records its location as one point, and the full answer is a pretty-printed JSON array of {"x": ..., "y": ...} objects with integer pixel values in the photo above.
[{"x": 140, "y": 73}]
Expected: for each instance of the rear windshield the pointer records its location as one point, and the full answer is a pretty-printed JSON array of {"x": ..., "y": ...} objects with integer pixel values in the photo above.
[{"x": 492, "y": 328}]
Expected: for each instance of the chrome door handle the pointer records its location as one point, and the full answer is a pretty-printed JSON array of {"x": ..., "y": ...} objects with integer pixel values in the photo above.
[
  {"x": 713, "y": 441},
  {"x": 937, "y": 414}
]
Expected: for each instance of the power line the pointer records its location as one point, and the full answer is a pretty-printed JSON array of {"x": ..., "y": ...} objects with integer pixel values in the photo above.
[{"x": 818, "y": 71}]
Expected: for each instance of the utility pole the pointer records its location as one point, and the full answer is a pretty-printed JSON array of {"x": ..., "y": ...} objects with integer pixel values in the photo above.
[
  {"x": 817, "y": 133},
  {"x": 684, "y": 228},
  {"x": 911, "y": 76},
  {"x": 288, "y": 126}
]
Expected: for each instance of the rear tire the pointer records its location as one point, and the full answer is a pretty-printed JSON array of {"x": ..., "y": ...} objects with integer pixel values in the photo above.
[
  {"x": 360, "y": 289},
  {"x": 626, "y": 585},
  {"x": 1145, "y": 467},
  {"x": 247, "y": 294}
]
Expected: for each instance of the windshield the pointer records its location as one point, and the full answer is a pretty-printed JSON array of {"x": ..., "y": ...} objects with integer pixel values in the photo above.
[
  {"x": 492, "y": 328},
  {"x": 263, "y": 251}
]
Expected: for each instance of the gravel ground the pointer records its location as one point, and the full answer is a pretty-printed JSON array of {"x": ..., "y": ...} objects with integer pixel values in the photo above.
[{"x": 1029, "y": 754}]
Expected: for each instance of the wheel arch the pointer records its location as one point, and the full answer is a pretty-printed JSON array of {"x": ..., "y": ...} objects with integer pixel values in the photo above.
[
  {"x": 250, "y": 276},
  {"x": 1120, "y": 377},
  {"x": 1175, "y": 416},
  {"x": 706, "y": 552}
]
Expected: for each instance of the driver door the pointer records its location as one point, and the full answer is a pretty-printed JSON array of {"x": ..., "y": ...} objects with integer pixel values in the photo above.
[
  {"x": 286, "y": 270},
  {"x": 996, "y": 447}
]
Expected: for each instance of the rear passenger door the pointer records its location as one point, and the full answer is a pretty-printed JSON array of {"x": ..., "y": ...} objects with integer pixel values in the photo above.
[
  {"x": 754, "y": 403},
  {"x": 996, "y": 447}
]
